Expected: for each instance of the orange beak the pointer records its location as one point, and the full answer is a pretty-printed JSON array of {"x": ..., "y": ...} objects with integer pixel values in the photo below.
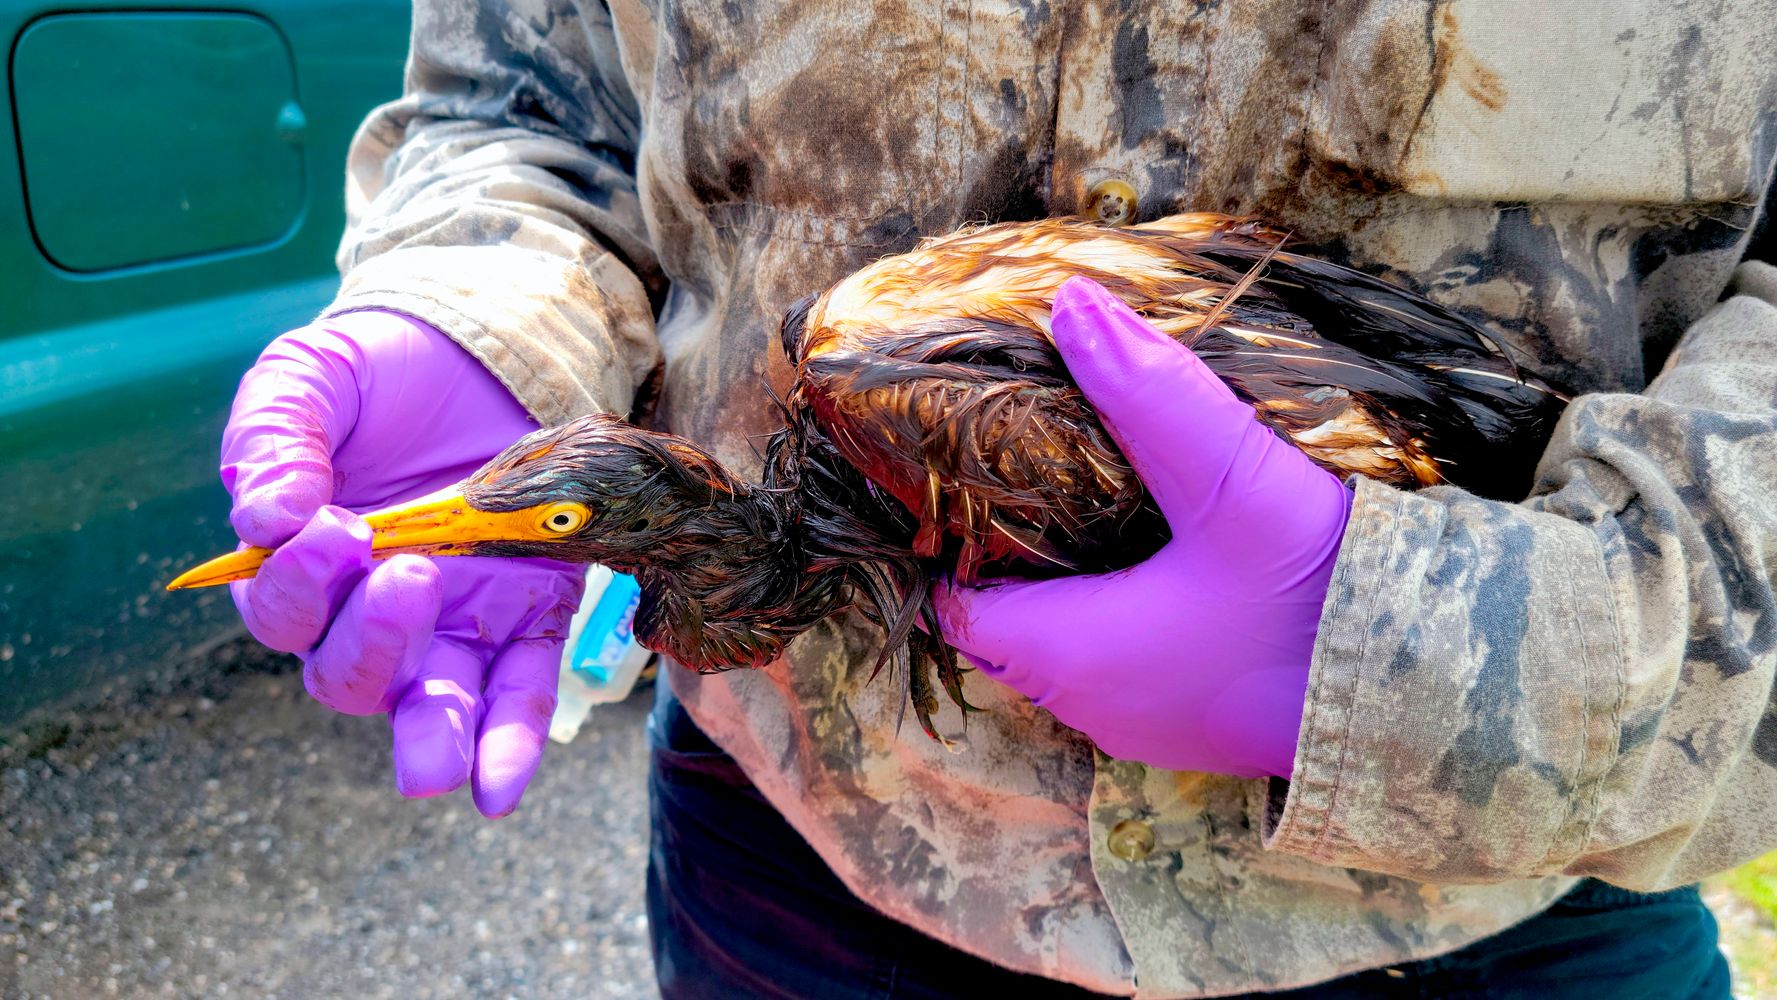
[{"x": 442, "y": 524}]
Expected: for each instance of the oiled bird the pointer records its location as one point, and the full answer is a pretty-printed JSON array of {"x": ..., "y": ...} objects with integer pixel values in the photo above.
[{"x": 931, "y": 428}]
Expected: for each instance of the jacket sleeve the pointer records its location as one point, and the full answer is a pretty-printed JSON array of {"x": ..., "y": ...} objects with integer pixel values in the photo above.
[
  {"x": 497, "y": 201},
  {"x": 1580, "y": 683}
]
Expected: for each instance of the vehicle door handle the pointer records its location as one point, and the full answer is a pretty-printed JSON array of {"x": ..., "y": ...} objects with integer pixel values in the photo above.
[{"x": 292, "y": 124}]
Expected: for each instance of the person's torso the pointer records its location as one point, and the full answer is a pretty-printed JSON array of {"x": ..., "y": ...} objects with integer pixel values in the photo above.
[{"x": 1580, "y": 181}]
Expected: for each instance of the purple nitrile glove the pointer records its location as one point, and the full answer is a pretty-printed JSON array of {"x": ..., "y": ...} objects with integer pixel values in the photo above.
[
  {"x": 357, "y": 412},
  {"x": 1197, "y": 659}
]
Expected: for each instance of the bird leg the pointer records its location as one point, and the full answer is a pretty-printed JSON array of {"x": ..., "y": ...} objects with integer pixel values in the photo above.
[
  {"x": 931, "y": 645},
  {"x": 919, "y": 692}
]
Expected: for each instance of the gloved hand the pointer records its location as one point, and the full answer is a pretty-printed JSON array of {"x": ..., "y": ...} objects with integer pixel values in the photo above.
[
  {"x": 1196, "y": 659},
  {"x": 357, "y": 412}
]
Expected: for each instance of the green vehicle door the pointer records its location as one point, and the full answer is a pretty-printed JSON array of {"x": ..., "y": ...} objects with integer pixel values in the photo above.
[{"x": 171, "y": 192}]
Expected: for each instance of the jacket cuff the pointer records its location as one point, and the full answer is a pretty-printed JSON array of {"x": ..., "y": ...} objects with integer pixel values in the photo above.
[
  {"x": 1299, "y": 812},
  {"x": 565, "y": 341},
  {"x": 1426, "y": 752}
]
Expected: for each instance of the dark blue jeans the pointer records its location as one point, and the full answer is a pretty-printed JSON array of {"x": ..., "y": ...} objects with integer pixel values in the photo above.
[{"x": 740, "y": 906}]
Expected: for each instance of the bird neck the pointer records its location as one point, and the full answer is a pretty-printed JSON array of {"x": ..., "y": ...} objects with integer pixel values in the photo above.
[
  {"x": 726, "y": 584},
  {"x": 730, "y": 572}
]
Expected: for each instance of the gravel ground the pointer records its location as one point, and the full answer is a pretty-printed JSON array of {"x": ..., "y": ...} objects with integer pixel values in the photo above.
[
  {"x": 225, "y": 836},
  {"x": 220, "y": 834}
]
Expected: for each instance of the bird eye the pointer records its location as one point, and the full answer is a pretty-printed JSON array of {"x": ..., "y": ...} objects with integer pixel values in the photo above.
[{"x": 564, "y": 518}]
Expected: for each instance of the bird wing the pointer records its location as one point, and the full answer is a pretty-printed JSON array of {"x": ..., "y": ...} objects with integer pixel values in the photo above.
[{"x": 934, "y": 374}]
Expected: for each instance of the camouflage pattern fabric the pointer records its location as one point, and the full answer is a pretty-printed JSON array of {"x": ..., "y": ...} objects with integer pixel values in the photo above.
[{"x": 611, "y": 207}]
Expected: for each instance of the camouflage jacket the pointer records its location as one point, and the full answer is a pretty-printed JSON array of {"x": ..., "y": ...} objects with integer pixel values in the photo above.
[{"x": 612, "y": 206}]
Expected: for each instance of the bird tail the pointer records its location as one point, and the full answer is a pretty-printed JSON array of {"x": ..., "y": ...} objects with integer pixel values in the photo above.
[{"x": 1474, "y": 403}]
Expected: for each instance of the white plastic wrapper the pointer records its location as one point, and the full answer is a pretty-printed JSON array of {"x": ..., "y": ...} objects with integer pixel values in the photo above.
[{"x": 602, "y": 659}]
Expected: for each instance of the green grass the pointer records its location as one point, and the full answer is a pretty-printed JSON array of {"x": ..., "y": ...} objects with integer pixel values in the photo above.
[
  {"x": 1755, "y": 883},
  {"x": 1745, "y": 901}
]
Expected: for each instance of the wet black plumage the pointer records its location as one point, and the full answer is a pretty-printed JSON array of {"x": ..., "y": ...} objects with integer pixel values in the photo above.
[{"x": 931, "y": 427}]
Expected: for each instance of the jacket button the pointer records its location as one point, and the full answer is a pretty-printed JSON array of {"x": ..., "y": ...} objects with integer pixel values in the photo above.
[
  {"x": 1131, "y": 840},
  {"x": 1111, "y": 202}
]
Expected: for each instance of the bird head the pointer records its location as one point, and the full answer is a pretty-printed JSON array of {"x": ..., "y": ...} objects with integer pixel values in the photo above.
[{"x": 596, "y": 489}]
